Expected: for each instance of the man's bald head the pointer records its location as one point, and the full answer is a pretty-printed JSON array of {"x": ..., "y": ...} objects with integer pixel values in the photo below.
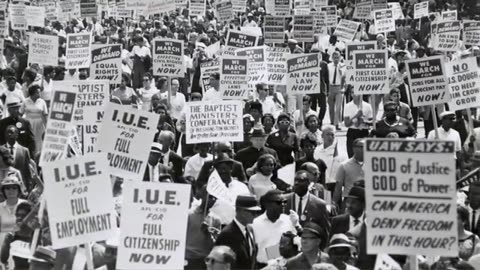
[
  {"x": 311, "y": 168},
  {"x": 224, "y": 147}
]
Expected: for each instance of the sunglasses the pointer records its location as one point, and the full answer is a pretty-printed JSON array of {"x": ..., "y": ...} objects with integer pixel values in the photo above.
[{"x": 280, "y": 202}]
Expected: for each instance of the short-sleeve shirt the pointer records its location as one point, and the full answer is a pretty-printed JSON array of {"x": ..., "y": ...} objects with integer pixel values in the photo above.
[{"x": 351, "y": 109}]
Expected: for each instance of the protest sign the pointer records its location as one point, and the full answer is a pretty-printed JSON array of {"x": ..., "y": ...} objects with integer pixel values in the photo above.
[
  {"x": 471, "y": 33},
  {"x": 79, "y": 200},
  {"x": 428, "y": 83},
  {"x": 287, "y": 173},
  {"x": 3, "y": 18},
  {"x": 370, "y": 72},
  {"x": 136, "y": 4},
  {"x": 36, "y": 16},
  {"x": 302, "y": 4},
  {"x": 257, "y": 68},
  {"x": 214, "y": 122},
  {"x": 469, "y": 178},
  {"x": 92, "y": 95},
  {"x": 252, "y": 30},
  {"x": 363, "y": 10},
  {"x": 385, "y": 262},
  {"x": 238, "y": 39},
  {"x": 217, "y": 188},
  {"x": 278, "y": 7},
  {"x": 233, "y": 77},
  {"x": 450, "y": 15},
  {"x": 59, "y": 124},
  {"x": 18, "y": 18},
  {"x": 78, "y": 50},
  {"x": 384, "y": 21},
  {"x": 317, "y": 4},
  {"x": 411, "y": 200},
  {"x": 346, "y": 30},
  {"x": 126, "y": 135},
  {"x": 88, "y": 8},
  {"x": 274, "y": 29},
  {"x": 107, "y": 63},
  {"x": 379, "y": 4},
  {"x": 168, "y": 58},
  {"x": 303, "y": 28},
  {"x": 446, "y": 36},
  {"x": 397, "y": 10},
  {"x": 319, "y": 22},
  {"x": 51, "y": 9},
  {"x": 352, "y": 47},
  {"x": 154, "y": 226},
  {"x": 303, "y": 75},
  {"x": 66, "y": 11},
  {"x": 420, "y": 10},
  {"x": 276, "y": 65},
  {"x": 181, "y": 3},
  {"x": 463, "y": 81},
  {"x": 207, "y": 69},
  {"x": 239, "y": 6},
  {"x": 331, "y": 12},
  {"x": 224, "y": 10},
  {"x": 43, "y": 49},
  {"x": 197, "y": 7}
]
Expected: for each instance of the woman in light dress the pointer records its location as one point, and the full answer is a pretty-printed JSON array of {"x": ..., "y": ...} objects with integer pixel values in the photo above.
[
  {"x": 146, "y": 93},
  {"x": 36, "y": 111},
  {"x": 10, "y": 188}
]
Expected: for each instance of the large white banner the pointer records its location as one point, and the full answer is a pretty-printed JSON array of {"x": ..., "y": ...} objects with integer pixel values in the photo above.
[{"x": 43, "y": 49}]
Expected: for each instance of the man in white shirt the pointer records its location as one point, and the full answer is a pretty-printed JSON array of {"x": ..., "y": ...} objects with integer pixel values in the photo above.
[
  {"x": 446, "y": 132},
  {"x": 195, "y": 163},
  {"x": 328, "y": 152},
  {"x": 358, "y": 116},
  {"x": 335, "y": 90},
  {"x": 269, "y": 227},
  {"x": 177, "y": 100},
  {"x": 213, "y": 93}
]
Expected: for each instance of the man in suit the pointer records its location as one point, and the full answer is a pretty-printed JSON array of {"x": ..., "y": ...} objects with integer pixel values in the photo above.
[
  {"x": 238, "y": 234},
  {"x": 237, "y": 169},
  {"x": 321, "y": 98},
  {"x": 249, "y": 156},
  {"x": 308, "y": 206},
  {"x": 220, "y": 258},
  {"x": 20, "y": 154},
  {"x": 172, "y": 163},
  {"x": 25, "y": 134},
  {"x": 474, "y": 207},
  {"x": 355, "y": 206}
]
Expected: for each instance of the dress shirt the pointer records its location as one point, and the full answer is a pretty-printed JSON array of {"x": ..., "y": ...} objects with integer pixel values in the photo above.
[
  {"x": 194, "y": 165},
  {"x": 268, "y": 233},
  {"x": 9, "y": 147},
  {"x": 331, "y": 74},
  {"x": 154, "y": 172},
  {"x": 450, "y": 135},
  {"x": 224, "y": 211},
  {"x": 351, "y": 109},
  {"x": 304, "y": 202},
  {"x": 332, "y": 159}
]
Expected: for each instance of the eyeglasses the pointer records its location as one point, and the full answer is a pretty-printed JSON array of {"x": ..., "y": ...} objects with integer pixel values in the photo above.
[
  {"x": 10, "y": 187},
  {"x": 284, "y": 122},
  {"x": 212, "y": 261},
  {"x": 282, "y": 202},
  {"x": 146, "y": 80}
]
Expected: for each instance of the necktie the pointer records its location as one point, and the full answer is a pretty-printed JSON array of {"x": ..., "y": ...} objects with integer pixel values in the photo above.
[
  {"x": 335, "y": 76},
  {"x": 300, "y": 206},
  {"x": 474, "y": 219},
  {"x": 356, "y": 221},
  {"x": 11, "y": 150},
  {"x": 247, "y": 237}
]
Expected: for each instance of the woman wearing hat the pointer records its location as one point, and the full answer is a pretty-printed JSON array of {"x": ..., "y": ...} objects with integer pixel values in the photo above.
[
  {"x": 392, "y": 124},
  {"x": 340, "y": 252},
  {"x": 10, "y": 189},
  {"x": 284, "y": 142},
  {"x": 124, "y": 95},
  {"x": 314, "y": 238}
]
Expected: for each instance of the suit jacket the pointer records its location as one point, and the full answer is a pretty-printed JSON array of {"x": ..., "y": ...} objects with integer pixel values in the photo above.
[
  {"x": 21, "y": 162},
  {"x": 233, "y": 237},
  {"x": 341, "y": 224},
  {"x": 187, "y": 149},
  {"x": 315, "y": 210},
  {"x": 176, "y": 172},
  {"x": 324, "y": 78},
  {"x": 249, "y": 156},
  {"x": 207, "y": 169},
  {"x": 25, "y": 134}
]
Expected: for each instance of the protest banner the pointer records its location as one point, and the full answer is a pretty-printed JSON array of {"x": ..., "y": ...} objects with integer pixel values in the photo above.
[
  {"x": 3, "y": 18},
  {"x": 303, "y": 75},
  {"x": 411, "y": 200},
  {"x": 346, "y": 30},
  {"x": 168, "y": 58},
  {"x": 385, "y": 262},
  {"x": 66, "y": 11},
  {"x": 252, "y": 30},
  {"x": 107, "y": 63},
  {"x": 197, "y": 7},
  {"x": 36, "y": 16},
  {"x": 331, "y": 12},
  {"x": 450, "y": 15},
  {"x": 274, "y": 29},
  {"x": 18, "y": 18},
  {"x": 216, "y": 121},
  {"x": 317, "y": 4},
  {"x": 446, "y": 36},
  {"x": 233, "y": 77},
  {"x": 397, "y": 10},
  {"x": 88, "y": 8},
  {"x": 302, "y": 4},
  {"x": 92, "y": 95},
  {"x": 224, "y": 10},
  {"x": 239, "y": 6},
  {"x": 154, "y": 226},
  {"x": 370, "y": 72},
  {"x": 379, "y": 4},
  {"x": 43, "y": 49},
  {"x": 238, "y": 39},
  {"x": 428, "y": 82},
  {"x": 319, "y": 23},
  {"x": 181, "y": 3},
  {"x": 350, "y": 49},
  {"x": 384, "y": 21},
  {"x": 126, "y": 135},
  {"x": 78, "y": 51},
  {"x": 469, "y": 178},
  {"x": 363, "y": 10},
  {"x": 160, "y": 6},
  {"x": 79, "y": 200},
  {"x": 471, "y": 33},
  {"x": 463, "y": 81},
  {"x": 420, "y": 10},
  {"x": 136, "y": 4},
  {"x": 217, "y": 188},
  {"x": 51, "y": 10},
  {"x": 278, "y": 7},
  {"x": 276, "y": 65},
  {"x": 257, "y": 68},
  {"x": 303, "y": 28},
  {"x": 59, "y": 124},
  {"x": 207, "y": 69}
]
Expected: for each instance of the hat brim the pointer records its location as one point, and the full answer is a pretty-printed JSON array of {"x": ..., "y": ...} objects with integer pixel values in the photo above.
[
  {"x": 253, "y": 208},
  {"x": 354, "y": 197},
  {"x": 352, "y": 248}
]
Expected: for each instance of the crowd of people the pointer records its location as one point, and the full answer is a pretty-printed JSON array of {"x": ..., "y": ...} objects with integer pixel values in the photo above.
[{"x": 318, "y": 222}]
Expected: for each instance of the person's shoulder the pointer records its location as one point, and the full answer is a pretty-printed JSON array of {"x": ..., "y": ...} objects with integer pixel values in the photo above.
[
  {"x": 317, "y": 200},
  {"x": 292, "y": 262}
]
